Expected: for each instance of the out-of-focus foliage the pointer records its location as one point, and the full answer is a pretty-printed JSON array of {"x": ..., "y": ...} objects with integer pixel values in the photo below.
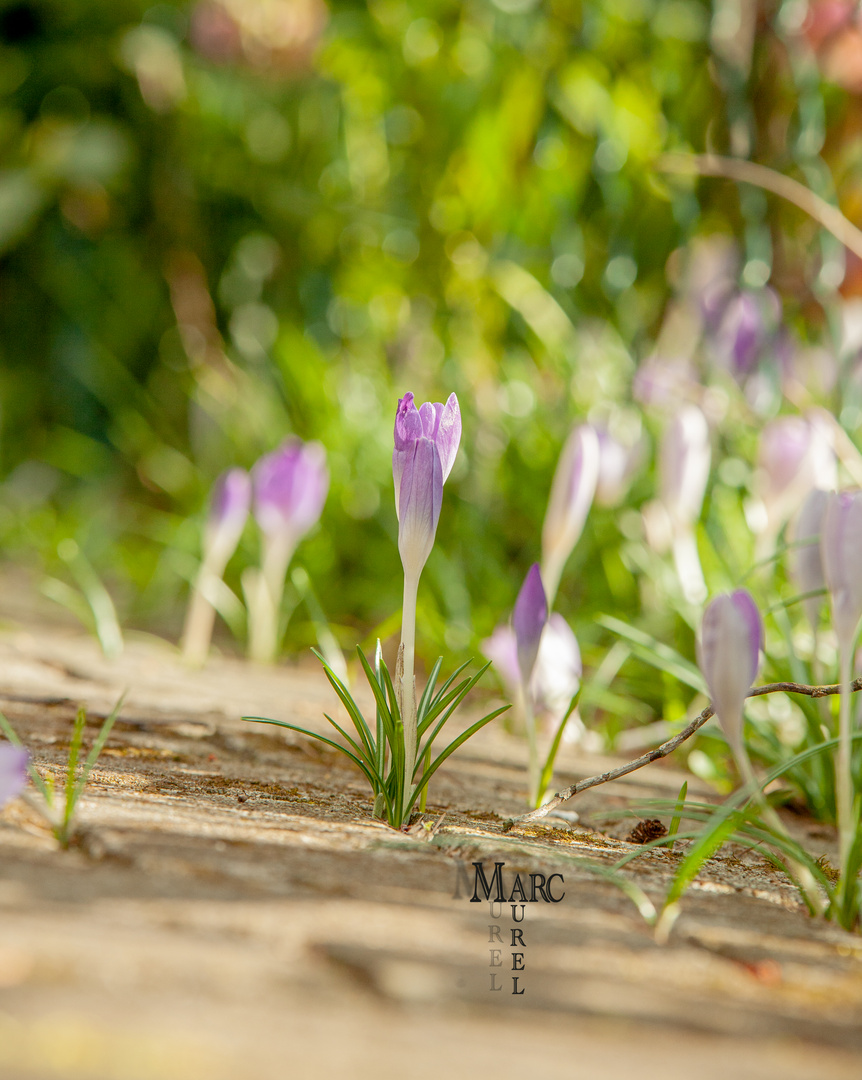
[{"x": 227, "y": 221}]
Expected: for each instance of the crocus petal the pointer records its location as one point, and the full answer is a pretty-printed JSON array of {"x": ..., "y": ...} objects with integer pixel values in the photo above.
[
  {"x": 441, "y": 424},
  {"x": 13, "y": 771},
  {"x": 229, "y": 509},
  {"x": 684, "y": 465},
  {"x": 795, "y": 455},
  {"x": 528, "y": 620},
  {"x": 290, "y": 488},
  {"x": 807, "y": 561},
  {"x": 572, "y": 492},
  {"x": 840, "y": 545},
  {"x": 419, "y": 500},
  {"x": 557, "y": 674},
  {"x": 448, "y": 435},
  {"x": 728, "y": 652},
  {"x": 501, "y": 648}
]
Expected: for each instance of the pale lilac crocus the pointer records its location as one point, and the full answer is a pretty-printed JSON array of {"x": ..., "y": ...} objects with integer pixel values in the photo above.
[
  {"x": 572, "y": 491},
  {"x": 794, "y": 456},
  {"x": 426, "y": 443},
  {"x": 528, "y": 621},
  {"x": 539, "y": 661},
  {"x": 840, "y": 546},
  {"x": 684, "y": 462},
  {"x": 728, "y": 653},
  {"x": 290, "y": 488},
  {"x": 13, "y": 771},
  {"x": 618, "y": 462},
  {"x": 229, "y": 508},
  {"x": 806, "y": 561}
]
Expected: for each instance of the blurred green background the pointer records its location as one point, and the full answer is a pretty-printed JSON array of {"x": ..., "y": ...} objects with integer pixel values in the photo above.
[{"x": 228, "y": 221}]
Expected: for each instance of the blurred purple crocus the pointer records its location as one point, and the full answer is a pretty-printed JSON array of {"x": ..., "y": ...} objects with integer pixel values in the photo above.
[
  {"x": 840, "y": 547},
  {"x": 794, "y": 456},
  {"x": 13, "y": 771},
  {"x": 229, "y": 507},
  {"x": 538, "y": 660},
  {"x": 572, "y": 491},
  {"x": 684, "y": 462},
  {"x": 618, "y": 461},
  {"x": 290, "y": 488},
  {"x": 807, "y": 561},
  {"x": 528, "y": 621},
  {"x": 728, "y": 653},
  {"x": 426, "y": 444},
  {"x": 840, "y": 542}
]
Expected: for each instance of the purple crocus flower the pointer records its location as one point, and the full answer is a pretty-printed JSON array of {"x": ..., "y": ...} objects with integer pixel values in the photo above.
[
  {"x": 572, "y": 491},
  {"x": 426, "y": 443},
  {"x": 528, "y": 621},
  {"x": 795, "y": 455},
  {"x": 842, "y": 566},
  {"x": 290, "y": 488},
  {"x": 618, "y": 461},
  {"x": 229, "y": 507},
  {"x": 728, "y": 652},
  {"x": 684, "y": 465},
  {"x": 13, "y": 771},
  {"x": 807, "y": 561}
]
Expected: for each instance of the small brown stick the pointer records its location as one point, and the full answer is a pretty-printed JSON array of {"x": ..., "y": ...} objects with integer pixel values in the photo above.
[
  {"x": 748, "y": 172},
  {"x": 671, "y": 745}
]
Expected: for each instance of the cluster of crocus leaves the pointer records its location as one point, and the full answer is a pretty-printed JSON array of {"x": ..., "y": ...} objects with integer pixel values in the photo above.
[
  {"x": 285, "y": 491},
  {"x": 728, "y": 653},
  {"x": 57, "y": 808},
  {"x": 395, "y": 751}
]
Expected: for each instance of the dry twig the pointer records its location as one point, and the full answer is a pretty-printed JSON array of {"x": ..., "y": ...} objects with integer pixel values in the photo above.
[{"x": 671, "y": 745}]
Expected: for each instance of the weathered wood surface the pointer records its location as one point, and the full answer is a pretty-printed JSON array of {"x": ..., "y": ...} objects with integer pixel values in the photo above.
[{"x": 231, "y": 909}]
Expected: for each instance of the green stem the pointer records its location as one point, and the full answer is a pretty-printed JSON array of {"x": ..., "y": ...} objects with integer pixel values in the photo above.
[
  {"x": 802, "y": 874},
  {"x": 843, "y": 766},
  {"x": 407, "y": 688},
  {"x": 533, "y": 771}
]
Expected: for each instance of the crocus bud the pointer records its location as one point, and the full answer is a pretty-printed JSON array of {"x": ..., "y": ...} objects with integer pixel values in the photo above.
[
  {"x": 426, "y": 443},
  {"x": 806, "y": 561},
  {"x": 728, "y": 653},
  {"x": 840, "y": 540},
  {"x": 795, "y": 455},
  {"x": 742, "y": 334},
  {"x": 684, "y": 465},
  {"x": 618, "y": 462},
  {"x": 558, "y": 670},
  {"x": 528, "y": 621},
  {"x": 501, "y": 648},
  {"x": 229, "y": 507},
  {"x": 683, "y": 472},
  {"x": 572, "y": 491},
  {"x": 13, "y": 771},
  {"x": 290, "y": 488}
]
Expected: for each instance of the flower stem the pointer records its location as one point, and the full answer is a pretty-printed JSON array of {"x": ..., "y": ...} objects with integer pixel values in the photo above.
[
  {"x": 408, "y": 683},
  {"x": 200, "y": 616},
  {"x": 533, "y": 771},
  {"x": 265, "y": 598},
  {"x": 843, "y": 765},
  {"x": 804, "y": 877}
]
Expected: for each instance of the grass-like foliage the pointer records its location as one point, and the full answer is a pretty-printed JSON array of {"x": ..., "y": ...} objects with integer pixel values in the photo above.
[
  {"x": 746, "y": 818},
  {"x": 58, "y": 808},
  {"x": 379, "y": 750}
]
